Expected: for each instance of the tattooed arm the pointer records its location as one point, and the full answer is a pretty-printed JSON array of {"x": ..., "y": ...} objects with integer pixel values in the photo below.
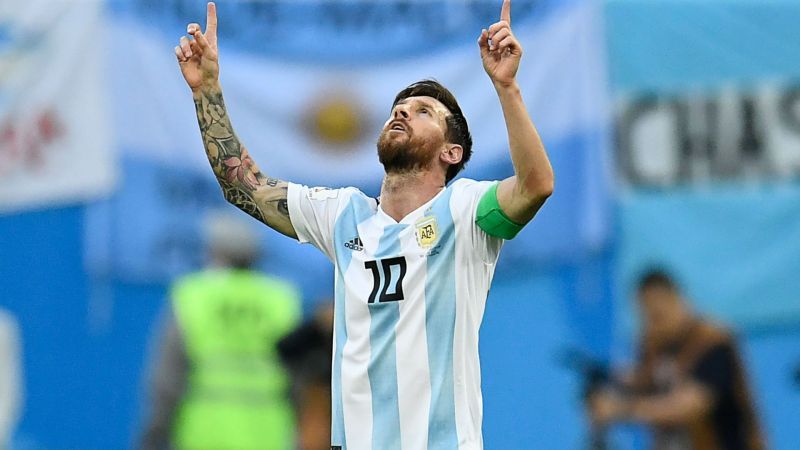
[{"x": 242, "y": 182}]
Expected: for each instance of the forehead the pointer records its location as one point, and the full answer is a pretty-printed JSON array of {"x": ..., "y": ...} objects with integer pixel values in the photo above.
[{"x": 423, "y": 100}]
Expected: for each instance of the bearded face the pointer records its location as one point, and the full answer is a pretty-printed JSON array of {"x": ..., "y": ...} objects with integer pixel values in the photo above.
[
  {"x": 413, "y": 135},
  {"x": 403, "y": 151}
]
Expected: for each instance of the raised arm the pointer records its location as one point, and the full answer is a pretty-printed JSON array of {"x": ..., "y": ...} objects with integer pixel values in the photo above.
[
  {"x": 521, "y": 195},
  {"x": 243, "y": 184}
]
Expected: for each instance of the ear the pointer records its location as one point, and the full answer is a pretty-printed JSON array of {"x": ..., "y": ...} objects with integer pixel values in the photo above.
[{"x": 451, "y": 154}]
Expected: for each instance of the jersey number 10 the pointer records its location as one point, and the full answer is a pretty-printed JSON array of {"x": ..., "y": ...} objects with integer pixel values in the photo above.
[{"x": 384, "y": 278}]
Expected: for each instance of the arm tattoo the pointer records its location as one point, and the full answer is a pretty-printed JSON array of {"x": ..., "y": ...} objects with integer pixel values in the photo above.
[
  {"x": 283, "y": 206},
  {"x": 241, "y": 181}
]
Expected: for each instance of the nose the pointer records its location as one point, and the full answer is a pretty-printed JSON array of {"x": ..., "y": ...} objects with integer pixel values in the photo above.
[{"x": 400, "y": 111}]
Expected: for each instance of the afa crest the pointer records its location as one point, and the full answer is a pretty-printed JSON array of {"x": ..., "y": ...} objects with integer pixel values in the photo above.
[{"x": 426, "y": 231}]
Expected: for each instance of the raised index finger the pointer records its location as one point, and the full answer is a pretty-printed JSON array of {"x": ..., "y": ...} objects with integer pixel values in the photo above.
[
  {"x": 505, "y": 12},
  {"x": 211, "y": 20}
]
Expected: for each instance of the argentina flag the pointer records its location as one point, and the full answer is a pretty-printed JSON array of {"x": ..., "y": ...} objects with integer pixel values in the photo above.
[{"x": 308, "y": 85}]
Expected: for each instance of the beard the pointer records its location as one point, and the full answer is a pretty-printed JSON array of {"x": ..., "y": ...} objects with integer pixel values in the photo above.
[{"x": 402, "y": 154}]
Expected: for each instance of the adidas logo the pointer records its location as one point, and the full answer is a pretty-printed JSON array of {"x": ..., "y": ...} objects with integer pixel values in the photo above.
[{"x": 355, "y": 244}]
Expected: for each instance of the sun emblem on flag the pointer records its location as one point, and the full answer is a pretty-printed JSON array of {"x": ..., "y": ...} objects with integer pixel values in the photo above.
[
  {"x": 426, "y": 231},
  {"x": 336, "y": 120}
]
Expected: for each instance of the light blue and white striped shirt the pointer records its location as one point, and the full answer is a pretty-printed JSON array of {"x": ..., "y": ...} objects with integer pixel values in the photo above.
[{"x": 409, "y": 301}]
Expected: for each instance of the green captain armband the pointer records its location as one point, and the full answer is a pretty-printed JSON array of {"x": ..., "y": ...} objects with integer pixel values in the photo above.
[{"x": 492, "y": 219}]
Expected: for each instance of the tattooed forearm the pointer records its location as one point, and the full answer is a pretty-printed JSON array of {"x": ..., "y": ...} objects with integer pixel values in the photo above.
[
  {"x": 242, "y": 182},
  {"x": 283, "y": 206}
]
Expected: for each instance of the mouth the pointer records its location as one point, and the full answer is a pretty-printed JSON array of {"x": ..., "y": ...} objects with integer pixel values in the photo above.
[{"x": 397, "y": 125}]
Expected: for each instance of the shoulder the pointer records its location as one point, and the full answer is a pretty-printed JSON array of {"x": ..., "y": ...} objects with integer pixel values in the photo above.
[
  {"x": 465, "y": 194},
  {"x": 469, "y": 187},
  {"x": 321, "y": 194},
  {"x": 356, "y": 202},
  {"x": 714, "y": 334},
  {"x": 468, "y": 183},
  {"x": 188, "y": 286},
  {"x": 711, "y": 345},
  {"x": 355, "y": 195},
  {"x": 190, "y": 280}
]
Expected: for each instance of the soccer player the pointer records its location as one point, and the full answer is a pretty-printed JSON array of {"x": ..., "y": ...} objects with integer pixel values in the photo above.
[{"x": 413, "y": 267}]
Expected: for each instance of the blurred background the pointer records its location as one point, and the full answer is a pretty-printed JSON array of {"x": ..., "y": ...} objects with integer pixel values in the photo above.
[{"x": 673, "y": 127}]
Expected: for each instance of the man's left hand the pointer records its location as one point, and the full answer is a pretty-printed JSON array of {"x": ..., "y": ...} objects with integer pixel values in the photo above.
[{"x": 500, "y": 50}]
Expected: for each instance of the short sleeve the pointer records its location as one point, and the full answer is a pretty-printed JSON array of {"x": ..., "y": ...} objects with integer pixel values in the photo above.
[
  {"x": 313, "y": 213},
  {"x": 715, "y": 370},
  {"x": 464, "y": 205}
]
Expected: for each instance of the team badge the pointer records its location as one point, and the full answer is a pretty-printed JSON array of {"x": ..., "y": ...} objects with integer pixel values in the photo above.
[{"x": 426, "y": 231}]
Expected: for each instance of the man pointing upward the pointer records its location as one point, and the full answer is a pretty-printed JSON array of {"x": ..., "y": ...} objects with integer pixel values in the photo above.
[{"x": 414, "y": 266}]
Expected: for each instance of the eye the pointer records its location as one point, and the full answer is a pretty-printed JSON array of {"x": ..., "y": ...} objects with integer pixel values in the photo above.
[{"x": 423, "y": 111}]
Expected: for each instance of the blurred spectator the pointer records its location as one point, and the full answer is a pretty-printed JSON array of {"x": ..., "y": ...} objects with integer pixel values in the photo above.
[
  {"x": 307, "y": 352},
  {"x": 10, "y": 377},
  {"x": 217, "y": 381},
  {"x": 689, "y": 385}
]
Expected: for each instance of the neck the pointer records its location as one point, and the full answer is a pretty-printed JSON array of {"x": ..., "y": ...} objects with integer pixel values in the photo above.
[{"x": 402, "y": 193}]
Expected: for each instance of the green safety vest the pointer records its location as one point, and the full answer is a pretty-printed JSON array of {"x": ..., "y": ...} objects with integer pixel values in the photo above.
[{"x": 237, "y": 393}]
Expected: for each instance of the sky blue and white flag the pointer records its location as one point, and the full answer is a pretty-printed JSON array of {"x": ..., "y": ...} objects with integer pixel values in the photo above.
[{"x": 308, "y": 86}]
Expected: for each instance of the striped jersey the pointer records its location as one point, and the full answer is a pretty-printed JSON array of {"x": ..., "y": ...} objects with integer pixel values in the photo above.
[{"x": 409, "y": 300}]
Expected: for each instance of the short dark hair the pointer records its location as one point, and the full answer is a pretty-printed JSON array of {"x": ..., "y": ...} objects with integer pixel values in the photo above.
[
  {"x": 657, "y": 278},
  {"x": 457, "y": 129}
]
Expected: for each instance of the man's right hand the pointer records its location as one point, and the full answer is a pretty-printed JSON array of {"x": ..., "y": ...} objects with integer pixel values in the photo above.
[
  {"x": 199, "y": 57},
  {"x": 241, "y": 181}
]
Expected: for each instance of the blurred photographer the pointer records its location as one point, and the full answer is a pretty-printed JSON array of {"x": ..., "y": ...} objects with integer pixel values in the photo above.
[{"x": 689, "y": 385}]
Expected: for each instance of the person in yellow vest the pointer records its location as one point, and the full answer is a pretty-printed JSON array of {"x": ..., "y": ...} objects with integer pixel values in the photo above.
[
  {"x": 690, "y": 385},
  {"x": 217, "y": 382}
]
